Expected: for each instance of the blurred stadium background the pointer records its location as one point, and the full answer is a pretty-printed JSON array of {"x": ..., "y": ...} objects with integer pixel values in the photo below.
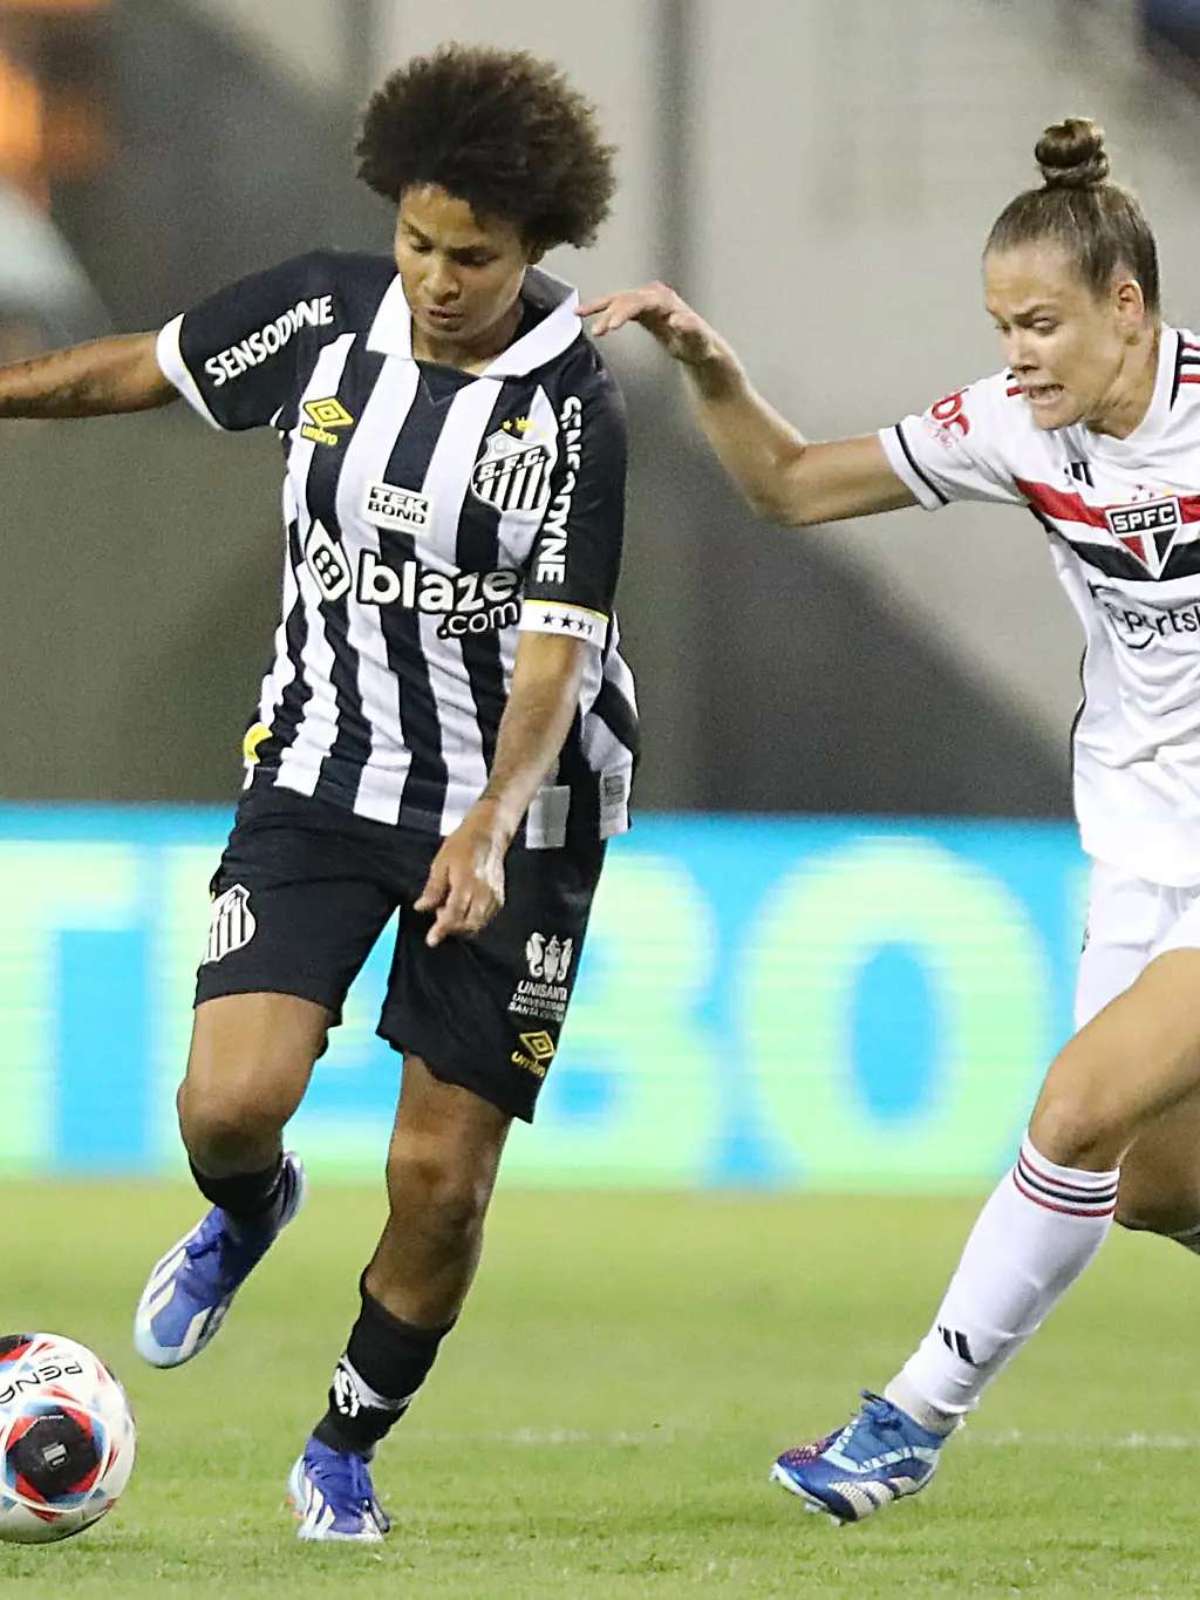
[
  {"x": 837, "y": 951},
  {"x": 835, "y": 954}
]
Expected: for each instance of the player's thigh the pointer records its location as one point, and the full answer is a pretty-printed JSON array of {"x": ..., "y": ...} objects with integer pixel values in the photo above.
[
  {"x": 299, "y": 899},
  {"x": 486, "y": 1014},
  {"x": 1137, "y": 1060},
  {"x": 1125, "y": 918},
  {"x": 1160, "y": 1175},
  {"x": 251, "y": 1058}
]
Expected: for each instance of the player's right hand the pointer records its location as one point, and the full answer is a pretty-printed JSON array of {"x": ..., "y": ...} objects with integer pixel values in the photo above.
[{"x": 682, "y": 332}]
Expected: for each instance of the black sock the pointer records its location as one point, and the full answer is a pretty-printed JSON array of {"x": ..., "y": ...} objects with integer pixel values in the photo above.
[
  {"x": 376, "y": 1380},
  {"x": 244, "y": 1196}
]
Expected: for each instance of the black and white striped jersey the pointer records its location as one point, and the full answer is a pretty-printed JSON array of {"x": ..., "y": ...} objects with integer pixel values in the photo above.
[
  {"x": 1123, "y": 518},
  {"x": 430, "y": 516}
]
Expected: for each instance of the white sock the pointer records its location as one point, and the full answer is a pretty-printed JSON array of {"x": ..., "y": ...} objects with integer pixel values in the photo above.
[{"x": 1033, "y": 1238}]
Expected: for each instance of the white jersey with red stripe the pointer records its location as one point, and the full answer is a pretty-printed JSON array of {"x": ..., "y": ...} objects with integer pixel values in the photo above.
[{"x": 1123, "y": 518}]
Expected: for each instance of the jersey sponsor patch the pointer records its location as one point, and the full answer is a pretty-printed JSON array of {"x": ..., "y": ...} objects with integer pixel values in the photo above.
[
  {"x": 388, "y": 505},
  {"x": 265, "y": 342},
  {"x": 232, "y": 924},
  {"x": 1147, "y": 530},
  {"x": 552, "y": 547},
  {"x": 466, "y": 602},
  {"x": 512, "y": 475},
  {"x": 543, "y": 995},
  {"x": 327, "y": 563}
]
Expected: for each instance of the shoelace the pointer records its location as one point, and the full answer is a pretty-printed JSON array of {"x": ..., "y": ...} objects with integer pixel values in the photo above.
[
  {"x": 881, "y": 1413},
  {"x": 876, "y": 1412},
  {"x": 207, "y": 1241},
  {"x": 346, "y": 1475},
  {"x": 215, "y": 1237}
]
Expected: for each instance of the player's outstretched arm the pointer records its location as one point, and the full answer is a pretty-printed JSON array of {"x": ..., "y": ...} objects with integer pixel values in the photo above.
[
  {"x": 782, "y": 475},
  {"x": 97, "y": 379}
]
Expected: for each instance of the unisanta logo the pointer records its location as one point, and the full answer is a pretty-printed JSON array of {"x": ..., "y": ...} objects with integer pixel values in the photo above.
[
  {"x": 1147, "y": 530},
  {"x": 549, "y": 959}
]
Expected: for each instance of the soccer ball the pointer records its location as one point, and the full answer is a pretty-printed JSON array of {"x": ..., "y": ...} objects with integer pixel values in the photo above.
[{"x": 66, "y": 1438}]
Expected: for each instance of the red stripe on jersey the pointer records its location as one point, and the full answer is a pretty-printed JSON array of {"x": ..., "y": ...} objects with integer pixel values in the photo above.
[
  {"x": 1189, "y": 377},
  {"x": 1016, "y": 389},
  {"x": 1067, "y": 507}
]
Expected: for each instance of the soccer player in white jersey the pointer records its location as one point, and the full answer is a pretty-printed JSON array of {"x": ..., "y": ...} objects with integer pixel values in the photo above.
[
  {"x": 447, "y": 727},
  {"x": 1094, "y": 426}
]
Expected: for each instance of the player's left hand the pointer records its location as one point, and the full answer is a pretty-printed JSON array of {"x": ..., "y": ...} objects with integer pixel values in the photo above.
[{"x": 465, "y": 886}]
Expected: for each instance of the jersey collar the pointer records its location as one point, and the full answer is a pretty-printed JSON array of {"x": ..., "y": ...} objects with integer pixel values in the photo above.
[{"x": 391, "y": 331}]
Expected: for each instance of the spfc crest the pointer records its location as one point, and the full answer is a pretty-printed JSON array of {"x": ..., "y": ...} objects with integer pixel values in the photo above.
[
  {"x": 1146, "y": 530},
  {"x": 512, "y": 475}
]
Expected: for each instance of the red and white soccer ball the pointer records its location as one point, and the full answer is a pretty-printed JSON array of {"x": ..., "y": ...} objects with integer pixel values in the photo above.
[{"x": 66, "y": 1438}]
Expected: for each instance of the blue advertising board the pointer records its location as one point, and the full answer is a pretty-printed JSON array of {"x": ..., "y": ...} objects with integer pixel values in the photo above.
[{"x": 838, "y": 1005}]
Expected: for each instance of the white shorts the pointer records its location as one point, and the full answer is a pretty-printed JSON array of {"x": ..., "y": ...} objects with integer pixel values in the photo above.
[{"x": 1129, "y": 922}]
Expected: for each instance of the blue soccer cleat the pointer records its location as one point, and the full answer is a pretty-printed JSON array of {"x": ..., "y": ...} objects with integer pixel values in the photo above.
[
  {"x": 189, "y": 1291},
  {"x": 879, "y": 1456},
  {"x": 332, "y": 1497}
]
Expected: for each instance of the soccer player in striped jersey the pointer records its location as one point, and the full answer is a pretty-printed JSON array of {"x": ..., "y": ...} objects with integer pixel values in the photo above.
[
  {"x": 447, "y": 726},
  {"x": 1094, "y": 427}
]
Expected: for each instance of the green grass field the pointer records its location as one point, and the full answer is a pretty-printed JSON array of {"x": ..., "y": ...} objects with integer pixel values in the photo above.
[{"x": 602, "y": 1422}]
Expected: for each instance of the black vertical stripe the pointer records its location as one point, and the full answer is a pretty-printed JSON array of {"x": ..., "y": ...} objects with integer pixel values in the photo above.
[
  {"x": 351, "y": 749},
  {"x": 611, "y": 706},
  {"x": 298, "y": 691},
  {"x": 424, "y": 792},
  {"x": 478, "y": 550}
]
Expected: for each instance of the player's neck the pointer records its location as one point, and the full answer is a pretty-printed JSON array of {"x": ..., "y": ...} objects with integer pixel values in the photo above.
[
  {"x": 470, "y": 355},
  {"x": 1129, "y": 400}
]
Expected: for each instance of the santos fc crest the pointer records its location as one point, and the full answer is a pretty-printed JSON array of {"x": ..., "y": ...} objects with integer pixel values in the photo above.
[{"x": 512, "y": 475}]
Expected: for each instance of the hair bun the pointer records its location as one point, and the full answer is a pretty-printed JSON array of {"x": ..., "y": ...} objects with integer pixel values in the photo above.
[{"x": 1071, "y": 155}]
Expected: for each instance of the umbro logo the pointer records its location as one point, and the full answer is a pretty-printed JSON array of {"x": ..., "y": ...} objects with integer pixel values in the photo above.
[{"x": 324, "y": 416}]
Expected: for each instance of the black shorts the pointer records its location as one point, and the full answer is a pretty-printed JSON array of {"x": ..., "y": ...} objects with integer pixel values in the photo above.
[{"x": 304, "y": 889}]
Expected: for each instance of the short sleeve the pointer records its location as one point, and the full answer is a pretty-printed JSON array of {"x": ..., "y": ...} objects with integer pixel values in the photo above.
[
  {"x": 572, "y": 571},
  {"x": 957, "y": 449},
  {"x": 234, "y": 357}
]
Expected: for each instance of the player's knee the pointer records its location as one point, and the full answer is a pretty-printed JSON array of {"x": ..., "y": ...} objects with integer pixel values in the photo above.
[
  {"x": 433, "y": 1178},
  {"x": 225, "y": 1123},
  {"x": 1072, "y": 1132}
]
